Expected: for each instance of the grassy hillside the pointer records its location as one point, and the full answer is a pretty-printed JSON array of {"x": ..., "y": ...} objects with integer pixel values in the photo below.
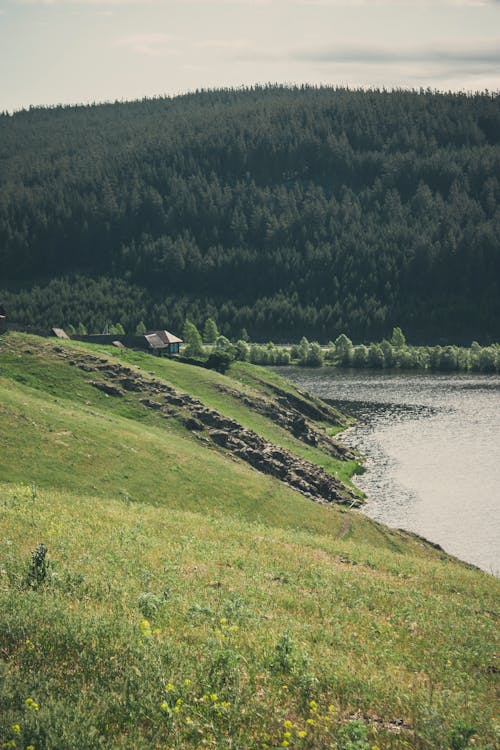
[{"x": 187, "y": 600}]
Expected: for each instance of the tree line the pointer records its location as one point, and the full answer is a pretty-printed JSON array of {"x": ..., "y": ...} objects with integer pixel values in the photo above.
[
  {"x": 284, "y": 211},
  {"x": 392, "y": 353}
]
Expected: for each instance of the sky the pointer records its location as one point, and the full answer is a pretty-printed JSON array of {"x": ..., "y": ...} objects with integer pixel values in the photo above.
[{"x": 80, "y": 51}]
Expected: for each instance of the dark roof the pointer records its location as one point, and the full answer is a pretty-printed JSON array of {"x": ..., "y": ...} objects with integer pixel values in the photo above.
[{"x": 161, "y": 339}]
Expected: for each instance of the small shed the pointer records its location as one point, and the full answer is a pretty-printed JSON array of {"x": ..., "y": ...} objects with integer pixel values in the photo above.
[{"x": 163, "y": 342}]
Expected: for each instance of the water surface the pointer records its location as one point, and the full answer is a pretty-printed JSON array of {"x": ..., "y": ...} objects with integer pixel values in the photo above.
[{"x": 432, "y": 448}]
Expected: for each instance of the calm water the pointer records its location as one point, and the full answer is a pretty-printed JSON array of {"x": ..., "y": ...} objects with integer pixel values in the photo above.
[{"x": 432, "y": 448}]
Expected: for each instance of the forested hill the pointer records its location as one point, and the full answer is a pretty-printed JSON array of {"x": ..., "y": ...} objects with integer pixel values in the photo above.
[{"x": 288, "y": 212}]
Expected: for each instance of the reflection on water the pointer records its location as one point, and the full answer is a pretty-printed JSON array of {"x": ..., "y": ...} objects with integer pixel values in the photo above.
[{"x": 432, "y": 448}]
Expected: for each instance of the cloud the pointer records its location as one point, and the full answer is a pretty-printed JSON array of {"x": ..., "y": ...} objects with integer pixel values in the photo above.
[
  {"x": 437, "y": 54},
  {"x": 150, "y": 45}
]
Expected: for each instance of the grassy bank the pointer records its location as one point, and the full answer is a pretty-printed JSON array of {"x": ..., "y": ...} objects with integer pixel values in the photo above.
[{"x": 186, "y": 600}]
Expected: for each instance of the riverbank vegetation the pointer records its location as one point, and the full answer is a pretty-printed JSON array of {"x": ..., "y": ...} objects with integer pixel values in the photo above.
[
  {"x": 382, "y": 355},
  {"x": 393, "y": 353},
  {"x": 284, "y": 211},
  {"x": 157, "y": 591}
]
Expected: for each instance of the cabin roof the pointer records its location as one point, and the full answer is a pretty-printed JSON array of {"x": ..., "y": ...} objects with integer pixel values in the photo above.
[
  {"x": 161, "y": 339},
  {"x": 60, "y": 333}
]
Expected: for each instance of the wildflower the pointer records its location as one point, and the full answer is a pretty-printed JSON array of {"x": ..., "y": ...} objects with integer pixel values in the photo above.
[
  {"x": 313, "y": 706},
  {"x": 178, "y": 702},
  {"x": 302, "y": 734},
  {"x": 284, "y": 687},
  {"x": 287, "y": 723},
  {"x": 170, "y": 687},
  {"x": 311, "y": 722},
  {"x": 214, "y": 697},
  {"x": 189, "y": 720},
  {"x": 187, "y": 683},
  {"x": 145, "y": 629},
  {"x": 287, "y": 735},
  {"x": 164, "y": 706},
  {"x": 30, "y": 747},
  {"x": 31, "y": 705},
  {"x": 16, "y": 728},
  {"x": 29, "y": 645},
  {"x": 285, "y": 743}
]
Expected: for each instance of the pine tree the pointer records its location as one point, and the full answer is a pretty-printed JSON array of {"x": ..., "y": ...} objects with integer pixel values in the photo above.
[{"x": 210, "y": 331}]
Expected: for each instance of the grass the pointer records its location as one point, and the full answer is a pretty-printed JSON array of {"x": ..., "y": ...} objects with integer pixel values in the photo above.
[{"x": 207, "y": 605}]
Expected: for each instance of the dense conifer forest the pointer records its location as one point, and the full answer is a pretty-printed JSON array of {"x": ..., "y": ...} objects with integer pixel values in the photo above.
[{"x": 289, "y": 212}]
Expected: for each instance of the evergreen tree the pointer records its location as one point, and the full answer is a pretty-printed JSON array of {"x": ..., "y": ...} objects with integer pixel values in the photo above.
[{"x": 210, "y": 331}]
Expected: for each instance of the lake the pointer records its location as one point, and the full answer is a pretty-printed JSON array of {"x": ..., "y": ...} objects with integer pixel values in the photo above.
[{"x": 432, "y": 448}]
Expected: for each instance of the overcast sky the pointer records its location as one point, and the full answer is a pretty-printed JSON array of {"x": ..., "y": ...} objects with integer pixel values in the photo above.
[{"x": 69, "y": 51}]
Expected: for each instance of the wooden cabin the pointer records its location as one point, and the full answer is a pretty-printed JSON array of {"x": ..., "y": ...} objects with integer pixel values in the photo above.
[{"x": 163, "y": 343}]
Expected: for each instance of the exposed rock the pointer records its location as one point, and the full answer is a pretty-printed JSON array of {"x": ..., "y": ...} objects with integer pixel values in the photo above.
[
  {"x": 226, "y": 433},
  {"x": 131, "y": 384},
  {"x": 110, "y": 390},
  {"x": 295, "y": 422},
  {"x": 194, "y": 424},
  {"x": 151, "y": 404}
]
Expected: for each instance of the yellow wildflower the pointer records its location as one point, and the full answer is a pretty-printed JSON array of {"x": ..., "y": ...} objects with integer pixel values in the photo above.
[
  {"x": 287, "y": 735},
  {"x": 170, "y": 687},
  {"x": 302, "y": 734},
  {"x": 164, "y": 706},
  {"x": 30, "y": 704},
  {"x": 16, "y": 728},
  {"x": 287, "y": 723},
  {"x": 311, "y": 722},
  {"x": 285, "y": 743}
]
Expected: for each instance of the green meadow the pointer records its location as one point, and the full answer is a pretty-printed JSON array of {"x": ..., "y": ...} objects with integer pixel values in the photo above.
[{"x": 157, "y": 592}]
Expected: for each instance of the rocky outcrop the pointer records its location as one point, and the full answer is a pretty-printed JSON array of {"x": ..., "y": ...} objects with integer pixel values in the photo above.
[
  {"x": 229, "y": 435},
  {"x": 292, "y": 419}
]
